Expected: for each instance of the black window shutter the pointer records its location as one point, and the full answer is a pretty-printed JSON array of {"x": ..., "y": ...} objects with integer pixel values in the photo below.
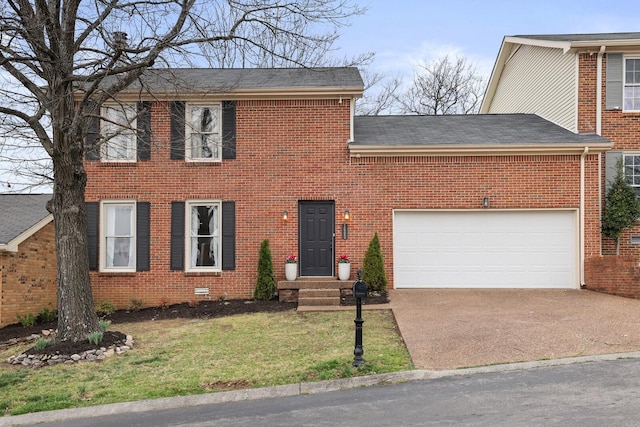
[
  {"x": 144, "y": 130},
  {"x": 228, "y": 130},
  {"x": 177, "y": 130},
  {"x": 142, "y": 236},
  {"x": 177, "y": 236},
  {"x": 91, "y": 141},
  {"x": 614, "y": 84},
  {"x": 92, "y": 210},
  {"x": 228, "y": 235}
]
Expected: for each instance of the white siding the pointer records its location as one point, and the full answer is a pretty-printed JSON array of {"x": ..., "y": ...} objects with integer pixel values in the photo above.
[{"x": 538, "y": 80}]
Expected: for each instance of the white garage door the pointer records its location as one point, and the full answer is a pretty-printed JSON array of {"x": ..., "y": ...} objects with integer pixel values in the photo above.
[{"x": 485, "y": 249}]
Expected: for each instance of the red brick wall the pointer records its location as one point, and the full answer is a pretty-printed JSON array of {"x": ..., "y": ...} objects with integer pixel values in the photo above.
[
  {"x": 622, "y": 128},
  {"x": 297, "y": 150},
  {"x": 611, "y": 274},
  {"x": 28, "y": 277}
]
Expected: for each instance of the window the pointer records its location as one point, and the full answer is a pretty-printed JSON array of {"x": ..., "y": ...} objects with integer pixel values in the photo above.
[
  {"x": 632, "y": 84},
  {"x": 118, "y": 130},
  {"x": 203, "y": 242},
  {"x": 203, "y": 132},
  {"x": 118, "y": 248},
  {"x": 632, "y": 171}
]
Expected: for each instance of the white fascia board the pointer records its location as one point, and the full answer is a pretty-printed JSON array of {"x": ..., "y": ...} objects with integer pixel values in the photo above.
[
  {"x": 12, "y": 246},
  {"x": 476, "y": 150},
  {"x": 565, "y": 46}
]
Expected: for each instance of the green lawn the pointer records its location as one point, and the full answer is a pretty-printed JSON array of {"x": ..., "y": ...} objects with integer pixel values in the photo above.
[{"x": 183, "y": 357}]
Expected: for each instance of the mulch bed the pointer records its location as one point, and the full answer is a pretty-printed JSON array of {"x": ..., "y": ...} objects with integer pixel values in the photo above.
[{"x": 204, "y": 309}]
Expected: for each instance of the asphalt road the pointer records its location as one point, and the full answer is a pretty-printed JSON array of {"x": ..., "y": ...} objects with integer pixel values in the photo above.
[{"x": 583, "y": 394}]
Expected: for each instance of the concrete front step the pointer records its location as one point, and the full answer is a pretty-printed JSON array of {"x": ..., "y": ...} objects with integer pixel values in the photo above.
[
  {"x": 313, "y": 284},
  {"x": 318, "y": 297}
]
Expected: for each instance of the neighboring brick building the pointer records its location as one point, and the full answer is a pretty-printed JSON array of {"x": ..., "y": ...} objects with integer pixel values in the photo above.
[
  {"x": 587, "y": 83},
  {"x": 177, "y": 209},
  {"x": 27, "y": 256}
]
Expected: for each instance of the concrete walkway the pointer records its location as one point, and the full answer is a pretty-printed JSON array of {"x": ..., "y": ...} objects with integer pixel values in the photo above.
[{"x": 455, "y": 328}]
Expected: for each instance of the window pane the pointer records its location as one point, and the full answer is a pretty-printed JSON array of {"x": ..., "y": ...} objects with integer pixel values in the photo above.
[
  {"x": 204, "y": 131},
  {"x": 118, "y": 129},
  {"x": 119, "y": 235},
  {"x": 204, "y": 239}
]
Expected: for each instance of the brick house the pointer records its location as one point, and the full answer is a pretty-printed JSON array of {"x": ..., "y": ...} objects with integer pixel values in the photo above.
[
  {"x": 587, "y": 83},
  {"x": 208, "y": 163},
  {"x": 27, "y": 256}
]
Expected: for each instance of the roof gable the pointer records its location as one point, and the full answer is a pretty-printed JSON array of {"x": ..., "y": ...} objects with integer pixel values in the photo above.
[{"x": 22, "y": 215}]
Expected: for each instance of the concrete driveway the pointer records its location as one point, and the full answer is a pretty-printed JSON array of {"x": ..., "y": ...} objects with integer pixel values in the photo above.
[{"x": 454, "y": 328}]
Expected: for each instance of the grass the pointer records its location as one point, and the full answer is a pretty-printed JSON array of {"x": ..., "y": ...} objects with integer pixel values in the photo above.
[{"x": 184, "y": 357}]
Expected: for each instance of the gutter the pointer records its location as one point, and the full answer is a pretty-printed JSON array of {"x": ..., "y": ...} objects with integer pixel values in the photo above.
[{"x": 356, "y": 150}]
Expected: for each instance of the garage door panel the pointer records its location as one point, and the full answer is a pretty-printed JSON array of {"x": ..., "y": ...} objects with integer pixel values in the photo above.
[{"x": 491, "y": 249}]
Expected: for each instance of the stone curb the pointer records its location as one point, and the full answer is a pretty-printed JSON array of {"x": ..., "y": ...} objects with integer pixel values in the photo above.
[{"x": 291, "y": 390}]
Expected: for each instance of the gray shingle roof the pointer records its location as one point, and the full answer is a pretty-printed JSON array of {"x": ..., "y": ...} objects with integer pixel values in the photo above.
[
  {"x": 583, "y": 37},
  {"x": 480, "y": 129},
  {"x": 19, "y": 212},
  {"x": 212, "y": 79}
]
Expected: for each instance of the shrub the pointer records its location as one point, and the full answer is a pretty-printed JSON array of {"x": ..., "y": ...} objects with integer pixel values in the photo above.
[
  {"x": 136, "y": 304},
  {"x": 47, "y": 315},
  {"x": 105, "y": 308},
  {"x": 95, "y": 338},
  {"x": 373, "y": 267},
  {"x": 41, "y": 343},
  {"x": 27, "y": 319},
  {"x": 266, "y": 284}
]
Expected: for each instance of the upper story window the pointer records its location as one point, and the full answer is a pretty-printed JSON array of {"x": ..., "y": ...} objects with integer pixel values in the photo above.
[
  {"x": 118, "y": 129},
  {"x": 204, "y": 243},
  {"x": 632, "y": 84},
  {"x": 203, "y": 132},
  {"x": 118, "y": 247}
]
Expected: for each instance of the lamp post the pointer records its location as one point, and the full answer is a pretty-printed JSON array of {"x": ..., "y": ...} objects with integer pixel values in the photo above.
[{"x": 359, "y": 292}]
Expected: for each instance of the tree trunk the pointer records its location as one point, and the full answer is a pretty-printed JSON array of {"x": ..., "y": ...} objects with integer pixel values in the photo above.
[{"x": 76, "y": 313}]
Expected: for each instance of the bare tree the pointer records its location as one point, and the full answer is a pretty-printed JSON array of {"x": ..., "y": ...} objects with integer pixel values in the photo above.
[
  {"x": 61, "y": 59},
  {"x": 380, "y": 93},
  {"x": 444, "y": 87}
]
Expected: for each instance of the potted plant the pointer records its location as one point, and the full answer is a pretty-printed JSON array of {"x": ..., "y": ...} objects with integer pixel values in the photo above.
[
  {"x": 344, "y": 267},
  {"x": 291, "y": 267}
]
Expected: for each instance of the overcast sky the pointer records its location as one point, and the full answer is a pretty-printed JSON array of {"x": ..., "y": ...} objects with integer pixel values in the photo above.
[{"x": 405, "y": 32}]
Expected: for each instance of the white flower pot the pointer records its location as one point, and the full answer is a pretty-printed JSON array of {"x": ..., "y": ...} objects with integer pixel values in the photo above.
[
  {"x": 291, "y": 271},
  {"x": 344, "y": 270}
]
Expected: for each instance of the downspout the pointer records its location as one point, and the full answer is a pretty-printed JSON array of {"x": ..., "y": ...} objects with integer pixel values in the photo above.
[
  {"x": 599, "y": 91},
  {"x": 353, "y": 113},
  {"x": 582, "y": 204}
]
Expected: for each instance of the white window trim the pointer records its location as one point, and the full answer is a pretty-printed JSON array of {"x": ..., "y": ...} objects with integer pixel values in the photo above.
[
  {"x": 624, "y": 80},
  {"x": 188, "y": 131},
  {"x": 105, "y": 142},
  {"x": 187, "y": 235},
  {"x": 103, "y": 236}
]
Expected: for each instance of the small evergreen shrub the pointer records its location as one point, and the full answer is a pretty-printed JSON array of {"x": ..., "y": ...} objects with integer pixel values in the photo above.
[
  {"x": 105, "y": 308},
  {"x": 373, "y": 267},
  {"x": 266, "y": 284},
  {"x": 95, "y": 338},
  {"x": 136, "y": 304},
  {"x": 621, "y": 207},
  {"x": 27, "y": 319},
  {"x": 47, "y": 315}
]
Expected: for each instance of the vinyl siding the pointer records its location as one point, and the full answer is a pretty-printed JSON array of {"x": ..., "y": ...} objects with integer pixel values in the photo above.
[{"x": 538, "y": 80}]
